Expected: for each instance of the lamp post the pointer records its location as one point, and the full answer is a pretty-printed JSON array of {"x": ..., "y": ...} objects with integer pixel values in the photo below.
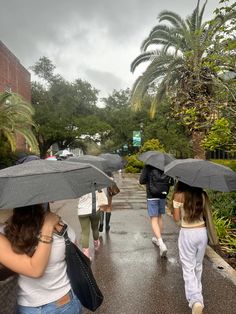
[{"x": 141, "y": 132}]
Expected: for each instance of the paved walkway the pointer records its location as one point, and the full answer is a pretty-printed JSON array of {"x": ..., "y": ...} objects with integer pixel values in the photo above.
[{"x": 129, "y": 270}]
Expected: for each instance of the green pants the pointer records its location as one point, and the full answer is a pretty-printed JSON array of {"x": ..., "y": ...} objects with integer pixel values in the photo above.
[{"x": 87, "y": 221}]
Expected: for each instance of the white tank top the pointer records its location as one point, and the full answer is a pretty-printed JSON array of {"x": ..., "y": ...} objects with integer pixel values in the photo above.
[{"x": 54, "y": 283}]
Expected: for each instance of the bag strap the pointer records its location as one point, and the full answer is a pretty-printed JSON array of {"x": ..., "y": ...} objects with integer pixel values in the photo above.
[{"x": 67, "y": 239}]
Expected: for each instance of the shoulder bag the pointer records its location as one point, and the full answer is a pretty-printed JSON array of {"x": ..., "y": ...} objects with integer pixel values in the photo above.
[
  {"x": 113, "y": 189},
  {"x": 81, "y": 276}
]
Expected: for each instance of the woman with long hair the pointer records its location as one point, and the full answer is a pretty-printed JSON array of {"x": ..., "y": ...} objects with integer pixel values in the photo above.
[
  {"x": 51, "y": 291},
  {"x": 32, "y": 266},
  {"x": 189, "y": 205}
]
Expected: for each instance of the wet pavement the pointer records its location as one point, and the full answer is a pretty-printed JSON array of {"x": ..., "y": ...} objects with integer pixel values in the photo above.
[{"x": 129, "y": 270}]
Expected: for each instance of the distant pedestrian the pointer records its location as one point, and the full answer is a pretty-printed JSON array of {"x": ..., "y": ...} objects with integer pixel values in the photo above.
[
  {"x": 89, "y": 220},
  {"x": 107, "y": 209},
  {"x": 189, "y": 206},
  {"x": 157, "y": 188}
]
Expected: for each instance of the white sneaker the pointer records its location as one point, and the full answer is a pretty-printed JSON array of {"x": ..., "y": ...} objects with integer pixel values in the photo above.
[
  {"x": 155, "y": 241},
  {"x": 163, "y": 250},
  {"x": 197, "y": 308}
]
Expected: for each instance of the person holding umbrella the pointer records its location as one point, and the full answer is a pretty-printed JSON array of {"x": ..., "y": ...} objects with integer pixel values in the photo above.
[
  {"x": 89, "y": 217},
  {"x": 13, "y": 262},
  {"x": 190, "y": 205},
  {"x": 50, "y": 290},
  {"x": 157, "y": 189}
]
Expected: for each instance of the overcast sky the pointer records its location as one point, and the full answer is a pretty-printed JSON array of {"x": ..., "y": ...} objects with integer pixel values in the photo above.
[{"x": 95, "y": 40}]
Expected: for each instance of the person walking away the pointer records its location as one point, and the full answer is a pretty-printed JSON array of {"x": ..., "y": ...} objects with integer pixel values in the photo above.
[
  {"x": 189, "y": 206},
  {"x": 51, "y": 292},
  {"x": 89, "y": 220},
  {"x": 157, "y": 189},
  {"x": 106, "y": 209}
]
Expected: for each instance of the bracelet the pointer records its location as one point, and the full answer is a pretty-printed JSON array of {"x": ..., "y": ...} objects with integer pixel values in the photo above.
[
  {"x": 43, "y": 241},
  {"x": 45, "y": 238}
]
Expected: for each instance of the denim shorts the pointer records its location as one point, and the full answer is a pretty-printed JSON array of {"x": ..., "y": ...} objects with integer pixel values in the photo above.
[
  {"x": 156, "y": 207},
  {"x": 73, "y": 307}
]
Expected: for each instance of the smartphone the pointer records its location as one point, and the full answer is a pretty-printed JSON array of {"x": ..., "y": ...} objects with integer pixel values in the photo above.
[{"x": 63, "y": 228}]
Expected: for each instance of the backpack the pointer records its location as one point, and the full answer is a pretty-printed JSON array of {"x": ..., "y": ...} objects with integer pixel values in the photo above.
[{"x": 159, "y": 183}]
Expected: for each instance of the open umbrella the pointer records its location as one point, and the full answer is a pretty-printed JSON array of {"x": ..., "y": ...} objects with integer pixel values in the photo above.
[
  {"x": 202, "y": 173},
  {"x": 156, "y": 159},
  {"x": 41, "y": 181},
  {"x": 114, "y": 161},
  {"x": 96, "y": 161}
]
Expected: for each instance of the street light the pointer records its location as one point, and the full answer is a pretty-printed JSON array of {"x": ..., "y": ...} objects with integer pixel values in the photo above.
[{"x": 141, "y": 132}]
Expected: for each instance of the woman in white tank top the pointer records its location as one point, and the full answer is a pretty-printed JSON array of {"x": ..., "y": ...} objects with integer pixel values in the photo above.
[{"x": 51, "y": 292}]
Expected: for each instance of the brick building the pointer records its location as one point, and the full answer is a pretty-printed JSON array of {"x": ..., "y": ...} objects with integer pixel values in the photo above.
[{"x": 14, "y": 78}]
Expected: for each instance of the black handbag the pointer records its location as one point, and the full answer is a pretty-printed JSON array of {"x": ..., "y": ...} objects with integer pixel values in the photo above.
[{"x": 81, "y": 276}]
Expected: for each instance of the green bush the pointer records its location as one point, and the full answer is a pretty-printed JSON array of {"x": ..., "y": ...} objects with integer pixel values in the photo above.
[
  {"x": 134, "y": 165},
  {"x": 153, "y": 144},
  {"x": 224, "y": 204}
]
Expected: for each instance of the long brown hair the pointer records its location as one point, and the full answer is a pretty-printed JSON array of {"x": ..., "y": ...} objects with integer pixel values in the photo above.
[
  {"x": 193, "y": 201},
  {"x": 23, "y": 227}
]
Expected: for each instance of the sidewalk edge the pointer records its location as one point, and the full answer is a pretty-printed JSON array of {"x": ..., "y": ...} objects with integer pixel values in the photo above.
[{"x": 221, "y": 265}]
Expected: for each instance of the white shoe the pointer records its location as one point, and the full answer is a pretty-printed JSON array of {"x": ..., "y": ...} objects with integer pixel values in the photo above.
[
  {"x": 155, "y": 241},
  {"x": 197, "y": 308},
  {"x": 163, "y": 250}
]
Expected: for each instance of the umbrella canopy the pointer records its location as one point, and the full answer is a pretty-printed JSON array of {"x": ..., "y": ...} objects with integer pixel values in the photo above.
[
  {"x": 96, "y": 161},
  {"x": 41, "y": 181},
  {"x": 202, "y": 173},
  {"x": 114, "y": 161},
  {"x": 26, "y": 158},
  {"x": 156, "y": 159}
]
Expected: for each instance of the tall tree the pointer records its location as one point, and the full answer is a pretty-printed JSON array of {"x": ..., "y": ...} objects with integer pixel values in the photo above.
[
  {"x": 179, "y": 69},
  {"x": 16, "y": 118},
  {"x": 62, "y": 107}
]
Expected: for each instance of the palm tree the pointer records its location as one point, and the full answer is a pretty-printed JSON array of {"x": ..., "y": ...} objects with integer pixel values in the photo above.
[
  {"x": 179, "y": 69},
  {"x": 16, "y": 118}
]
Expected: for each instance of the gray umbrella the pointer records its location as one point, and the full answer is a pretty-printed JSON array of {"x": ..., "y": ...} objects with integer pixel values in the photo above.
[
  {"x": 114, "y": 161},
  {"x": 96, "y": 161},
  {"x": 41, "y": 181},
  {"x": 202, "y": 173},
  {"x": 156, "y": 159}
]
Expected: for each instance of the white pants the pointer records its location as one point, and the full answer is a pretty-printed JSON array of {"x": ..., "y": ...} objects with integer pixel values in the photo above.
[{"x": 192, "y": 244}]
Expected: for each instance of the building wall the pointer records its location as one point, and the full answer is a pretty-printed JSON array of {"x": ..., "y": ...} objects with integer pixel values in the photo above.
[{"x": 14, "y": 78}]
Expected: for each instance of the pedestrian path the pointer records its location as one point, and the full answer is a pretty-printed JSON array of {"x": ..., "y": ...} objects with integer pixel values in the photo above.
[{"x": 129, "y": 270}]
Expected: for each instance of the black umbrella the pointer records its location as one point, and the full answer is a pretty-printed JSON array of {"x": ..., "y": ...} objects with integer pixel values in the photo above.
[
  {"x": 156, "y": 159},
  {"x": 41, "y": 181},
  {"x": 114, "y": 161},
  {"x": 96, "y": 161},
  {"x": 202, "y": 173}
]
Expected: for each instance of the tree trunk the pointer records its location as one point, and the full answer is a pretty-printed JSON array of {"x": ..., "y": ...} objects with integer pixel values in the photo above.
[{"x": 198, "y": 150}]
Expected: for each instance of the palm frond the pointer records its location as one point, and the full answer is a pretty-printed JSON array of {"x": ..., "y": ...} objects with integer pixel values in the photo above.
[
  {"x": 173, "y": 18},
  {"x": 201, "y": 13},
  {"x": 143, "y": 57}
]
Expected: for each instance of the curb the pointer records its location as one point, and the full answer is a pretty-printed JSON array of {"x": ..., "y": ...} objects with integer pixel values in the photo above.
[{"x": 221, "y": 265}]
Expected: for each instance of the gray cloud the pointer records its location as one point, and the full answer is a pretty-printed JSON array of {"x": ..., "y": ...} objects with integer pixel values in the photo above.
[{"x": 95, "y": 40}]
